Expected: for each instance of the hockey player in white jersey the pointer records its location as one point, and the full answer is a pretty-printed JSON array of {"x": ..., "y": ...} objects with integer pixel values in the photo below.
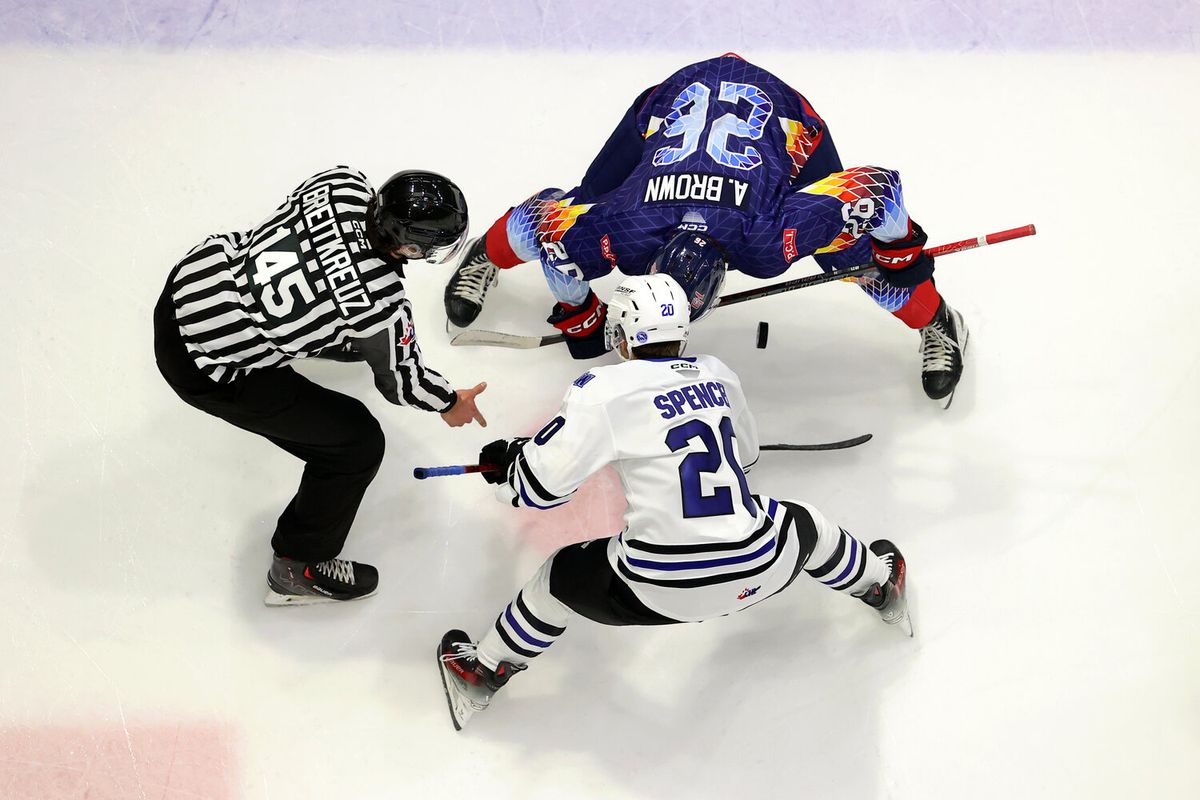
[{"x": 697, "y": 543}]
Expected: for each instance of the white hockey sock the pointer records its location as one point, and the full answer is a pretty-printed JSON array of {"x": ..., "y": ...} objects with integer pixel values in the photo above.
[
  {"x": 841, "y": 561},
  {"x": 528, "y": 626}
]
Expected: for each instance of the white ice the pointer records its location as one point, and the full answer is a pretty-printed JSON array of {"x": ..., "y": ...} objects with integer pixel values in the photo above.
[{"x": 1048, "y": 517}]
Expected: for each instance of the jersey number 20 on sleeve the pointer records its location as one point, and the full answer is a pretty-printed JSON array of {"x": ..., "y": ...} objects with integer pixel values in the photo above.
[
  {"x": 707, "y": 461},
  {"x": 689, "y": 125}
]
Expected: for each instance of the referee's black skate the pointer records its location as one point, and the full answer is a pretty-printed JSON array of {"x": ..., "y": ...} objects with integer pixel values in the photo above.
[
  {"x": 891, "y": 599},
  {"x": 469, "y": 685},
  {"x": 943, "y": 343},
  {"x": 469, "y": 285},
  {"x": 297, "y": 583}
]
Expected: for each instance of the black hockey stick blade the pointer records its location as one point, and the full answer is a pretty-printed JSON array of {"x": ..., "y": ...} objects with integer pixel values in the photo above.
[{"x": 842, "y": 445}]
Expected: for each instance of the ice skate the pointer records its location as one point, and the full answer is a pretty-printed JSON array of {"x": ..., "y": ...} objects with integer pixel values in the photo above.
[
  {"x": 296, "y": 583},
  {"x": 943, "y": 343},
  {"x": 469, "y": 685},
  {"x": 469, "y": 285},
  {"x": 891, "y": 599}
]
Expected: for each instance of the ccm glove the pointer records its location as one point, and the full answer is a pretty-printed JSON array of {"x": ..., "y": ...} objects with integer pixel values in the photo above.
[
  {"x": 583, "y": 325},
  {"x": 903, "y": 263},
  {"x": 500, "y": 454}
]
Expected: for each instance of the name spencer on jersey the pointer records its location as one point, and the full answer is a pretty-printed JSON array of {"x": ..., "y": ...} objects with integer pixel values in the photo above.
[
  {"x": 345, "y": 283},
  {"x": 697, "y": 187},
  {"x": 706, "y": 394}
]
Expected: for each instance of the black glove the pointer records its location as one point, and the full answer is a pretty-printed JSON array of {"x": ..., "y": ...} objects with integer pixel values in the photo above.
[
  {"x": 500, "y": 454},
  {"x": 583, "y": 326},
  {"x": 903, "y": 263}
]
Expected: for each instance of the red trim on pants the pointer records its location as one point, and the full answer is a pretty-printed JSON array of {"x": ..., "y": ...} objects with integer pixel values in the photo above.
[
  {"x": 921, "y": 306},
  {"x": 499, "y": 251}
]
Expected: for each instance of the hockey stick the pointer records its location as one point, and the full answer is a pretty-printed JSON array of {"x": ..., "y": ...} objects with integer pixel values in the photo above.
[
  {"x": 519, "y": 342},
  {"x": 842, "y": 445},
  {"x": 842, "y": 274},
  {"x": 421, "y": 473},
  {"x": 497, "y": 339}
]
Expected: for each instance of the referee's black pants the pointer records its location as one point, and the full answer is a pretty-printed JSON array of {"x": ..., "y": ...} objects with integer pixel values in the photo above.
[{"x": 339, "y": 441}]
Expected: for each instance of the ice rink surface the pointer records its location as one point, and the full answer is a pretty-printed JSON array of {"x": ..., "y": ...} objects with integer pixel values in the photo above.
[{"x": 1048, "y": 517}]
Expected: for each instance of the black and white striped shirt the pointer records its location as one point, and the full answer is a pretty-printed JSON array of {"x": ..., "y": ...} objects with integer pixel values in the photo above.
[{"x": 303, "y": 281}]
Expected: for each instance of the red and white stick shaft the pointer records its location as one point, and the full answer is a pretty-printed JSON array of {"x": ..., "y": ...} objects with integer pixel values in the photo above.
[{"x": 982, "y": 241}]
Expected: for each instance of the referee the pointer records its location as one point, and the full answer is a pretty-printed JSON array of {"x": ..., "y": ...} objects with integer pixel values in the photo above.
[{"x": 322, "y": 276}]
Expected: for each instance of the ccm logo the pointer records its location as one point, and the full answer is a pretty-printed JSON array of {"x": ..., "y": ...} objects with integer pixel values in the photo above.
[
  {"x": 588, "y": 324},
  {"x": 790, "y": 253},
  {"x": 894, "y": 260}
]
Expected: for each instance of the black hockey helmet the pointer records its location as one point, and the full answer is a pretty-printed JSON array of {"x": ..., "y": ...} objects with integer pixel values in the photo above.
[
  {"x": 697, "y": 262},
  {"x": 418, "y": 214}
]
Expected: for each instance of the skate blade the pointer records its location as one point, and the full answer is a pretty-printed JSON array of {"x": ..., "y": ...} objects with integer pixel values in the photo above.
[
  {"x": 276, "y": 599},
  {"x": 966, "y": 334},
  {"x": 945, "y": 402},
  {"x": 902, "y": 623},
  {"x": 460, "y": 712},
  {"x": 900, "y": 618}
]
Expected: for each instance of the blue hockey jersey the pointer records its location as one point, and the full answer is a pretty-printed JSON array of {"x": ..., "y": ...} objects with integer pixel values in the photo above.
[{"x": 720, "y": 146}]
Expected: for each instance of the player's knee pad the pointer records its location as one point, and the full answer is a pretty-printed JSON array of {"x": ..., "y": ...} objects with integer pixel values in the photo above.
[
  {"x": 804, "y": 528},
  {"x": 799, "y": 520},
  {"x": 815, "y": 530}
]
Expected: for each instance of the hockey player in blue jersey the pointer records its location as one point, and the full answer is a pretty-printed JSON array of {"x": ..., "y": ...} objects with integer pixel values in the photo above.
[{"x": 725, "y": 160}]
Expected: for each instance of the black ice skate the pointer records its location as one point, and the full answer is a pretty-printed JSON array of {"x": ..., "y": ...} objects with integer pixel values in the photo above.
[
  {"x": 469, "y": 284},
  {"x": 943, "y": 342},
  {"x": 469, "y": 685},
  {"x": 891, "y": 599},
  {"x": 296, "y": 583}
]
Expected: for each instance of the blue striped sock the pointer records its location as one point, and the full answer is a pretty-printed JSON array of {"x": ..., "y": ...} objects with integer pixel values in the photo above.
[{"x": 852, "y": 568}]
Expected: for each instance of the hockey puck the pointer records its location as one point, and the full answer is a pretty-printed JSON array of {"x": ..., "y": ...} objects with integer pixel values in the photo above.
[{"x": 762, "y": 336}]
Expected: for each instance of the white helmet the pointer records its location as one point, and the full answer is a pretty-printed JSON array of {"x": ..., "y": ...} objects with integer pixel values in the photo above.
[{"x": 646, "y": 309}]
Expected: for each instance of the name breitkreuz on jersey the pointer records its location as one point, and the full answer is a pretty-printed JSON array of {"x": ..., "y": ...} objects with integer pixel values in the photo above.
[{"x": 277, "y": 269}]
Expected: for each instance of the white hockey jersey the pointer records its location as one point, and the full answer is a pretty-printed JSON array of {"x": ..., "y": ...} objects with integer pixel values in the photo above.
[{"x": 681, "y": 437}]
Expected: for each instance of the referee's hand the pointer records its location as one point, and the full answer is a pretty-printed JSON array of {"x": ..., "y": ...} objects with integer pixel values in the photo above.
[{"x": 464, "y": 409}]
